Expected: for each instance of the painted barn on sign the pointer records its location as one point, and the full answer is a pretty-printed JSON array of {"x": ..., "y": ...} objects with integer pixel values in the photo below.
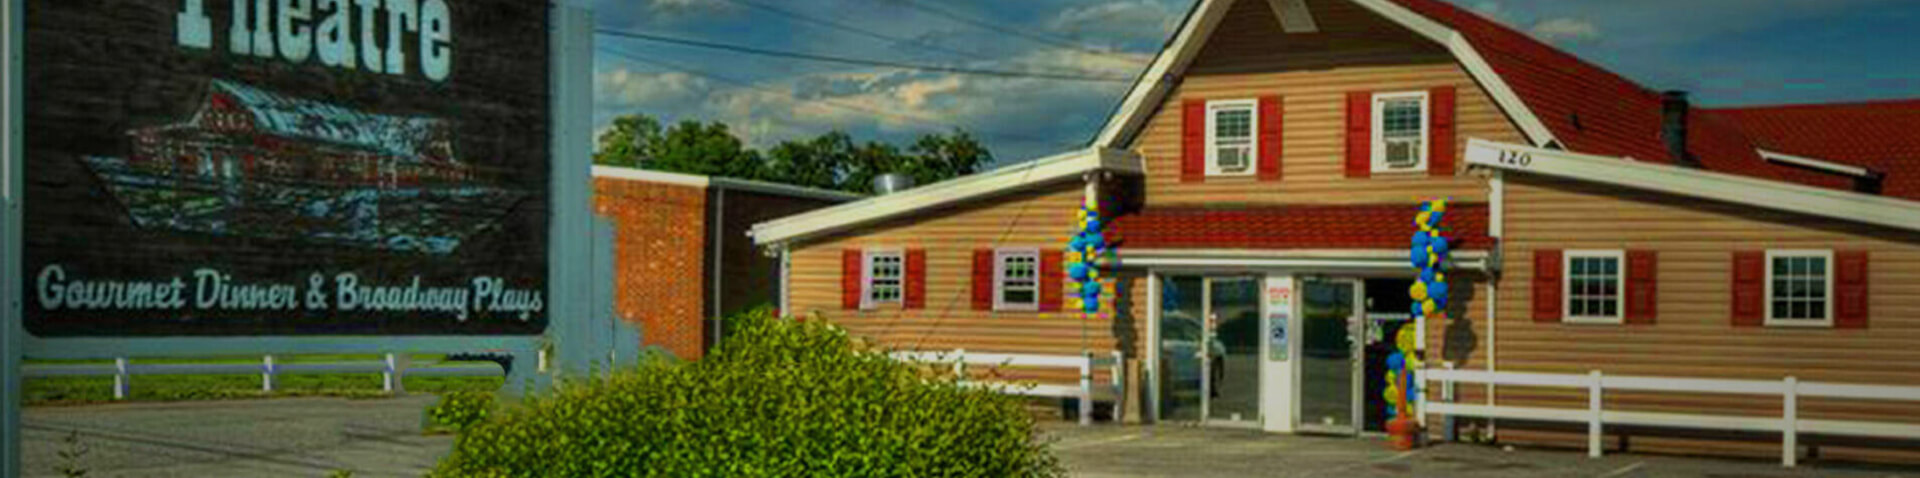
[{"x": 1260, "y": 187}]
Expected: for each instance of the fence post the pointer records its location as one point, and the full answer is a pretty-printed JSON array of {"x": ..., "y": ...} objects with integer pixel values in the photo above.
[
  {"x": 266, "y": 375},
  {"x": 1447, "y": 429},
  {"x": 121, "y": 386},
  {"x": 394, "y": 375},
  {"x": 1119, "y": 372},
  {"x": 1790, "y": 425},
  {"x": 1593, "y": 423},
  {"x": 960, "y": 365},
  {"x": 1086, "y": 388}
]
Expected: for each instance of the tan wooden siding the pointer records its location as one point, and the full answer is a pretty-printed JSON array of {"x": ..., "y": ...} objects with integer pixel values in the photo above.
[
  {"x": 1041, "y": 218},
  {"x": 1694, "y": 336},
  {"x": 1249, "y": 56}
]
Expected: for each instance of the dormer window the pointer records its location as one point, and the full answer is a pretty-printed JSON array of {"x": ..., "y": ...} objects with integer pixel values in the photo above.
[{"x": 1400, "y": 132}]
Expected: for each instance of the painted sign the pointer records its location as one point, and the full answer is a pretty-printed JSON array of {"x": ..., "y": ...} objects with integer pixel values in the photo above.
[
  {"x": 286, "y": 167},
  {"x": 1279, "y": 297}
]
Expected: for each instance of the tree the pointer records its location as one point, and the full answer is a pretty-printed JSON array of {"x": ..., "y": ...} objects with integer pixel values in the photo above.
[{"x": 829, "y": 161}]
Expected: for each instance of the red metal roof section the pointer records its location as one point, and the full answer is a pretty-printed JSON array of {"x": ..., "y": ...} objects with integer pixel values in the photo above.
[
  {"x": 1295, "y": 227},
  {"x": 1594, "y": 111},
  {"x": 1880, "y": 135}
]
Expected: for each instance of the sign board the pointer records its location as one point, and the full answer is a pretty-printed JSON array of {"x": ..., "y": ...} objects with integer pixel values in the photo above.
[
  {"x": 1279, "y": 298},
  {"x": 276, "y": 167}
]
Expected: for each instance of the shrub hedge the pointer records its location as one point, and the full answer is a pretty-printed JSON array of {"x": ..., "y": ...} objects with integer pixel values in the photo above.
[{"x": 778, "y": 398}]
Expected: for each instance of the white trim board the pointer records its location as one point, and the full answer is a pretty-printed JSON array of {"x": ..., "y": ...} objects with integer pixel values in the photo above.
[
  {"x": 698, "y": 181},
  {"x": 1051, "y": 169},
  {"x": 1819, "y": 164},
  {"x": 1393, "y": 260},
  {"x": 1294, "y": 16},
  {"x": 1152, "y": 89},
  {"x": 1761, "y": 193}
]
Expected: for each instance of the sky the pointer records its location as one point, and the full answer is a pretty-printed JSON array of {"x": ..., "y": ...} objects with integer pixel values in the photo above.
[{"x": 1726, "y": 52}]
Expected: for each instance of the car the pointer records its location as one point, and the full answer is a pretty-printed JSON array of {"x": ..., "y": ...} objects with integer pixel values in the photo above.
[{"x": 1180, "y": 333}]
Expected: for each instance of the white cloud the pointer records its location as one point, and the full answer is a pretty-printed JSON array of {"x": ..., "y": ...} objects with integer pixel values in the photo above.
[{"x": 1566, "y": 30}]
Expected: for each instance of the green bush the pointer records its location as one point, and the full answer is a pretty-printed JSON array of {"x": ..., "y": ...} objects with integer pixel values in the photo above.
[
  {"x": 459, "y": 409},
  {"x": 778, "y": 398}
]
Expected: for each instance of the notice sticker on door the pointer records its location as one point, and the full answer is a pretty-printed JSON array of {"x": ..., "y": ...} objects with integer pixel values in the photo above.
[{"x": 1279, "y": 311}]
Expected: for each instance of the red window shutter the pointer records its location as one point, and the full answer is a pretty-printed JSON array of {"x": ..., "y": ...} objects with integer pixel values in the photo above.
[
  {"x": 915, "y": 296},
  {"x": 1359, "y": 134},
  {"x": 1193, "y": 141},
  {"x": 1642, "y": 287},
  {"x": 983, "y": 279},
  {"x": 1749, "y": 288},
  {"x": 1053, "y": 277},
  {"x": 1546, "y": 285},
  {"x": 852, "y": 267},
  {"x": 1440, "y": 132},
  {"x": 1850, "y": 289},
  {"x": 1271, "y": 121}
]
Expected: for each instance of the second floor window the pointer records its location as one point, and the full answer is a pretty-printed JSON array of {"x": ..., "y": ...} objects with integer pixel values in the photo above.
[
  {"x": 1400, "y": 132},
  {"x": 1230, "y": 139}
]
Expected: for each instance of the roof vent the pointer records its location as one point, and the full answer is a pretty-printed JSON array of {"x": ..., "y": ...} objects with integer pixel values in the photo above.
[
  {"x": 891, "y": 183},
  {"x": 1673, "y": 127}
]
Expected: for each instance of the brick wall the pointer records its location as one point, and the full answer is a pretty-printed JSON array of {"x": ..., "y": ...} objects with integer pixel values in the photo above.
[
  {"x": 752, "y": 278},
  {"x": 659, "y": 272}
]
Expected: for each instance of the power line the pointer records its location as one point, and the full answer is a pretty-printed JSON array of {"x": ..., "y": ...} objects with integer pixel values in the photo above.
[
  {"x": 855, "y": 61},
  {"x": 917, "y": 5},
  {"x": 829, "y": 102},
  {"x": 856, "y": 30}
]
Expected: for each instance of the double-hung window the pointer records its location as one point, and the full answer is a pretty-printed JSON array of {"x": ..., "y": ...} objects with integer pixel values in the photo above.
[
  {"x": 1800, "y": 288},
  {"x": 884, "y": 278},
  {"x": 1230, "y": 137},
  {"x": 1400, "y": 132},
  {"x": 1016, "y": 279},
  {"x": 1594, "y": 284}
]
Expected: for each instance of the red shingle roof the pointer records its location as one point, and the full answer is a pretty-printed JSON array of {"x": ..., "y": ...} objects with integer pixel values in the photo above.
[
  {"x": 1592, "y": 110},
  {"x": 1295, "y": 227}
]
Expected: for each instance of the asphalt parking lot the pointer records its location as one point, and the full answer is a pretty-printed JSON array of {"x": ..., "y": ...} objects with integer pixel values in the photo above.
[
  {"x": 303, "y": 437},
  {"x": 1196, "y": 452}
]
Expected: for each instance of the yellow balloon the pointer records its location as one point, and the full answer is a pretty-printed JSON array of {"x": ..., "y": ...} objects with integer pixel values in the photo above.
[
  {"x": 1439, "y": 277},
  {"x": 1421, "y": 219},
  {"x": 1433, "y": 259},
  {"x": 1093, "y": 274},
  {"x": 1418, "y": 291},
  {"x": 1426, "y": 307},
  {"x": 1439, "y": 205},
  {"x": 1407, "y": 339}
]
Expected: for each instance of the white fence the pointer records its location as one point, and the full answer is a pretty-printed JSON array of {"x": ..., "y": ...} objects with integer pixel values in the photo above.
[
  {"x": 1115, "y": 389},
  {"x": 392, "y": 369},
  {"x": 1789, "y": 389}
]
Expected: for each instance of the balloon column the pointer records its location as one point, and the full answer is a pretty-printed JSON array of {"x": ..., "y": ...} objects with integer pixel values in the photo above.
[
  {"x": 1429, "y": 293},
  {"x": 1083, "y": 251}
]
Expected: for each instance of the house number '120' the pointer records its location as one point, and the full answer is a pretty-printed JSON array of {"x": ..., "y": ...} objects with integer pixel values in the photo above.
[
  {"x": 291, "y": 27},
  {"x": 1516, "y": 158}
]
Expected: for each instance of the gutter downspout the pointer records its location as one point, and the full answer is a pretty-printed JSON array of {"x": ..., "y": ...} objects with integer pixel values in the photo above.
[
  {"x": 786, "y": 269},
  {"x": 1496, "y": 223},
  {"x": 718, "y": 217}
]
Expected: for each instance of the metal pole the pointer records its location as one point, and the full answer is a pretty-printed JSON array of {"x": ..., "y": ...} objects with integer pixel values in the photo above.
[{"x": 11, "y": 328}]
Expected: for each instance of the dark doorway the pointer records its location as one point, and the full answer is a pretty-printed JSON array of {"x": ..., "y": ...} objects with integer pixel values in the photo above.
[{"x": 1388, "y": 308}]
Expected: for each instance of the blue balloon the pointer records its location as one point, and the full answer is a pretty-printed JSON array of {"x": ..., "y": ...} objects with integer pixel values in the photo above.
[
  {"x": 1392, "y": 412},
  {"x": 1419, "y": 257},
  {"x": 1078, "y": 271},
  {"x": 1097, "y": 240},
  {"x": 1416, "y": 310},
  {"x": 1396, "y": 362},
  {"x": 1438, "y": 291},
  {"x": 1433, "y": 219},
  {"x": 1420, "y": 240},
  {"x": 1413, "y": 393},
  {"x": 1426, "y": 275},
  {"x": 1093, "y": 224},
  {"x": 1090, "y": 289},
  {"x": 1439, "y": 245},
  {"x": 1093, "y": 215}
]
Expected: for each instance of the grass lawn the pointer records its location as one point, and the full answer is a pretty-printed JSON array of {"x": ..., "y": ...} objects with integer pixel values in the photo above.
[{"x": 98, "y": 389}]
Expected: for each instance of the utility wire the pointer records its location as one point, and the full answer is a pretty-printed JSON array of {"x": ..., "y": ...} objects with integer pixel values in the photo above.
[
  {"x": 855, "y": 61},
  {"x": 829, "y": 102},
  {"x": 989, "y": 25},
  {"x": 856, "y": 30}
]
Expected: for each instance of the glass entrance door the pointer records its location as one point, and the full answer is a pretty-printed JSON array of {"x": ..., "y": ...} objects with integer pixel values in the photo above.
[
  {"x": 1210, "y": 349},
  {"x": 1233, "y": 312},
  {"x": 1329, "y": 369}
]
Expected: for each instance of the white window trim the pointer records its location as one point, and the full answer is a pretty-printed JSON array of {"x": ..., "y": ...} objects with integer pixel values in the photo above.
[
  {"x": 1253, "y": 133},
  {"x": 1620, "y": 287},
  {"x": 1767, "y": 303},
  {"x": 1379, "y": 149},
  {"x": 867, "y": 302},
  {"x": 1000, "y": 278}
]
